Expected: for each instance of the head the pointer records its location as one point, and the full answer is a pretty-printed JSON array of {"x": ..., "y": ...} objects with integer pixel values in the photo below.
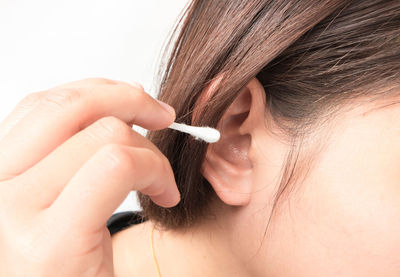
[{"x": 306, "y": 95}]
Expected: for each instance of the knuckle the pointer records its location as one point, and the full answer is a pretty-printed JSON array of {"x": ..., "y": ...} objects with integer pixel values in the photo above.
[
  {"x": 136, "y": 86},
  {"x": 116, "y": 155},
  {"x": 161, "y": 162},
  {"x": 168, "y": 170},
  {"x": 111, "y": 127},
  {"x": 137, "y": 93},
  {"x": 31, "y": 99},
  {"x": 159, "y": 165},
  {"x": 155, "y": 160},
  {"x": 168, "y": 167},
  {"x": 61, "y": 98}
]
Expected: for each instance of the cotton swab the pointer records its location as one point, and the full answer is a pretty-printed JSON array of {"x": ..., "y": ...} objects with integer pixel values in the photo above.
[{"x": 207, "y": 134}]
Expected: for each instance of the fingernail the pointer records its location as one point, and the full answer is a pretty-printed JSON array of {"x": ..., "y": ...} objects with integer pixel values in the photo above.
[{"x": 167, "y": 107}]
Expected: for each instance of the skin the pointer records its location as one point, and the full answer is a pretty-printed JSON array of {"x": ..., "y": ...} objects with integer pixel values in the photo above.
[
  {"x": 343, "y": 219},
  {"x": 68, "y": 159}
]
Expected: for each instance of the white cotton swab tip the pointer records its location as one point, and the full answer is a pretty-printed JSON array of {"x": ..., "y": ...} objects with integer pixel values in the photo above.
[{"x": 207, "y": 134}]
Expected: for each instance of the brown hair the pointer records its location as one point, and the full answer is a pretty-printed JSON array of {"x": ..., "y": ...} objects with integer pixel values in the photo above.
[{"x": 311, "y": 56}]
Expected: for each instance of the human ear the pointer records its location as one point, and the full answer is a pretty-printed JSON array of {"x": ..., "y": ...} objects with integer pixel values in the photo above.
[{"x": 228, "y": 166}]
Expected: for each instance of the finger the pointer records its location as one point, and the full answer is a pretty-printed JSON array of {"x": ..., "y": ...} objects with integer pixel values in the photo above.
[
  {"x": 32, "y": 100},
  {"x": 26, "y": 105},
  {"x": 89, "y": 82},
  {"x": 64, "y": 112},
  {"x": 41, "y": 184},
  {"x": 104, "y": 181}
]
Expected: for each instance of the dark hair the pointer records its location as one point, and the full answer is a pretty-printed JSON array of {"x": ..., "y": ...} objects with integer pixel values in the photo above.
[{"x": 310, "y": 56}]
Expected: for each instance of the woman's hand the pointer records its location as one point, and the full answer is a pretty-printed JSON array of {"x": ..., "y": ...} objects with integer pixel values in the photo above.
[{"x": 68, "y": 158}]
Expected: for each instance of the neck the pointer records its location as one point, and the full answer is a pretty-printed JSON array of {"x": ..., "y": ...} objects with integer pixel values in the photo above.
[
  {"x": 198, "y": 251},
  {"x": 210, "y": 248}
]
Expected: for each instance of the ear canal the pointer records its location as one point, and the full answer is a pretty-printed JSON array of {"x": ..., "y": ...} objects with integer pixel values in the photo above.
[{"x": 233, "y": 146}]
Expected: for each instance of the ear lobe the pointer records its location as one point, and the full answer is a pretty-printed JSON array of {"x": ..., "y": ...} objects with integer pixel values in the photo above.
[{"x": 227, "y": 165}]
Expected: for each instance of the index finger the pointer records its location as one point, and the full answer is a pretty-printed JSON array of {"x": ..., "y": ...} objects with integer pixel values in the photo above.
[{"x": 65, "y": 111}]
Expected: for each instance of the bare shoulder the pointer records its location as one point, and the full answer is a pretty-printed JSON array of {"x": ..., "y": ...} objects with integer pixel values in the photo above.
[{"x": 132, "y": 251}]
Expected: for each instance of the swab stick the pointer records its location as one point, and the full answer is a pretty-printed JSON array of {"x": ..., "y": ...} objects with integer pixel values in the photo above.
[{"x": 207, "y": 134}]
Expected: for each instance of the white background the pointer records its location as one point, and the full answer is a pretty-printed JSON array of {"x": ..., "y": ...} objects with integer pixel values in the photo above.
[{"x": 44, "y": 43}]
